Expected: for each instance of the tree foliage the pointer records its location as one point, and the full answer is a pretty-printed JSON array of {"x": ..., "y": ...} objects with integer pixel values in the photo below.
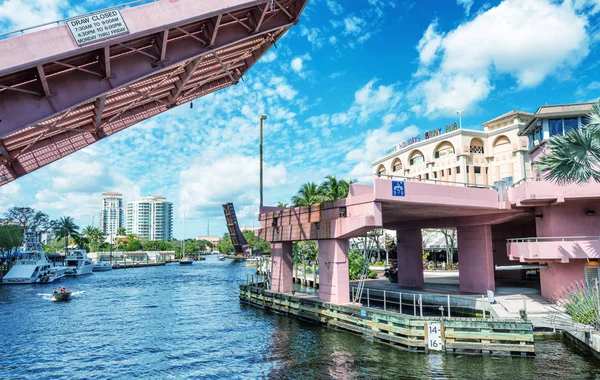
[
  {"x": 10, "y": 236},
  {"x": 225, "y": 245},
  {"x": 64, "y": 228},
  {"x": 331, "y": 189},
  {"x": 574, "y": 157}
]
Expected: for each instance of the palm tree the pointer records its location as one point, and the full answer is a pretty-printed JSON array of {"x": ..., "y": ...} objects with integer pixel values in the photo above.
[
  {"x": 309, "y": 194},
  {"x": 65, "y": 227},
  {"x": 574, "y": 157},
  {"x": 94, "y": 235},
  {"x": 282, "y": 205},
  {"x": 121, "y": 231},
  {"x": 334, "y": 189}
]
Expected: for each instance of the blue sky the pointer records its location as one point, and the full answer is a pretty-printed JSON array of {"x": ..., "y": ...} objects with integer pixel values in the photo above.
[{"x": 350, "y": 80}]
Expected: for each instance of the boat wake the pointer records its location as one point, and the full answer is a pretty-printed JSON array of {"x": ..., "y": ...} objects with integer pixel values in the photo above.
[{"x": 50, "y": 296}]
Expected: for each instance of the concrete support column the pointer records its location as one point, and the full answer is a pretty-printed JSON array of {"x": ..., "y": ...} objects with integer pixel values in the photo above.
[
  {"x": 281, "y": 267},
  {"x": 334, "y": 279},
  {"x": 410, "y": 257},
  {"x": 471, "y": 174},
  {"x": 476, "y": 259},
  {"x": 463, "y": 169}
]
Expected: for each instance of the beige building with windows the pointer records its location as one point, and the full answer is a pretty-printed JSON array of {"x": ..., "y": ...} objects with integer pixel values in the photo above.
[{"x": 450, "y": 154}]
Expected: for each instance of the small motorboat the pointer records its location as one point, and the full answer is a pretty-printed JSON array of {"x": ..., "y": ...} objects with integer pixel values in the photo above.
[
  {"x": 102, "y": 266},
  {"x": 221, "y": 257},
  {"x": 186, "y": 261},
  {"x": 62, "y": 295}
]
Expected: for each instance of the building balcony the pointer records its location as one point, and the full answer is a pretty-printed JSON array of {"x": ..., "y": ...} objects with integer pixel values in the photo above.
[
  {"x": 531, "y": 192},
  {"x": 561, "y": 249}
]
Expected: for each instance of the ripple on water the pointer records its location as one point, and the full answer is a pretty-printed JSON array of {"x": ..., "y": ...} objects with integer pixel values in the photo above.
[{"x": 177, "y": 322}]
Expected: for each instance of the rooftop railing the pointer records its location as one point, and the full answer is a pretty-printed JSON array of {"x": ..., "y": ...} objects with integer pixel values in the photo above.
[
  {"x": 435, "y": 181},
  {"x": 551, "y": 238},
  {"x": 64, "y": 20}
]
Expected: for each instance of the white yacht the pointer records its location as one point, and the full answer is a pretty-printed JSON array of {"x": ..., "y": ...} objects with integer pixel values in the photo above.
[
  {"x": 78, "y": 263},
  {"x": 32, "y": 264}
]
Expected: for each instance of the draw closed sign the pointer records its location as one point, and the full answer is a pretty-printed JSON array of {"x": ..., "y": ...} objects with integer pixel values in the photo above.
[{"x": 95, "y": 27}]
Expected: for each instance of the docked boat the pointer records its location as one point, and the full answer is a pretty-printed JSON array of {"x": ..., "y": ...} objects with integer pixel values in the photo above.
[
  {"x": 251, "y": 262},
  {"x": 186, "y": 261},
  {"x": 31, "y": 265},
  {"x": 53, "y": 275},
  {"x": 78, "y": 263},
  {"x": 102, "y": 266},
  {"x": 221, "y": 257}
]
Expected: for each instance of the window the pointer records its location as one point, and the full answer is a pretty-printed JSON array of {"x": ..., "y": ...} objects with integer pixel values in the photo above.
[
  {"x": 381, "y": 170},
  {"x": 458, "y": 170},
  {"x": 467, "y": 169},
  {"x": 592, "y": 274},
  {"x": 416, "y": 158},
  {"x": 426, "y": 175},
  {"x": 444, "y": 149},
  {"x": 477, "y": 169},
  {"x": 434, "y": 174},
  {"x": 562, "y": 126},
  {"x": 555, "y": 126},
  {"x": 442, "y": 172},
  {"x": 570, "y": 124},
  {"x": 476, "y": 146},
  {"x": 531, "y": 141},
  {"x": 397, "y": 165}
]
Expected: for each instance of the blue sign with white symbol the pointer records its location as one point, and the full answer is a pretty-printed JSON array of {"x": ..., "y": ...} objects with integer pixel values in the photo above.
[{"x": 398, "y": 188}]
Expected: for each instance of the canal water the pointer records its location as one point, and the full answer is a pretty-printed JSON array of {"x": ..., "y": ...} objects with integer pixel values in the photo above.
[{"x": 185, "y": 322}]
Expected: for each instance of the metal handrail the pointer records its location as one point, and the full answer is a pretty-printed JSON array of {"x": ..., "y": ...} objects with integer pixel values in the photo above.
[
  {"x": 63, "y": 20},
  {"x": 465, "y": 184},
  {"x": 526, "y": 179},
  {"x": 555, "y": 238}
]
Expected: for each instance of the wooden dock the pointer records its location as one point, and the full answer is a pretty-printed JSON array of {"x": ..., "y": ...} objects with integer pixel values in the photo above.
[{"x": 455, "y": 335}]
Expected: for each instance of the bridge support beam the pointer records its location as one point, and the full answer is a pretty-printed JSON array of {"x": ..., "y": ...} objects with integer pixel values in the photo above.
[
  {"x": 282, "y": 267},
  {"x": 410, "y": 257},
  {"x": 333, "y": 271},
  {"x": 476, "y": 273}
]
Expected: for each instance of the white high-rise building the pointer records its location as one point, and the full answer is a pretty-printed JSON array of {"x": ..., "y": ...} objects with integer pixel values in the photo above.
[
  {"x": 150, "y": 218},
  {"x": 112, "y": 216}
]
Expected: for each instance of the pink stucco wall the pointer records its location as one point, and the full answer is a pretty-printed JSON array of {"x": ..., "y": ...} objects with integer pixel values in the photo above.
[
  {"x": 410, "y": 258},
  {"x": 569, "y": 249},
  {"x": 569, "y": 219},
  {"x": 476, "y": 274},
  {"x": 334, "y": 286},
  {"x": 282, "y": 267},
  {"x": 558, "y": 276}
]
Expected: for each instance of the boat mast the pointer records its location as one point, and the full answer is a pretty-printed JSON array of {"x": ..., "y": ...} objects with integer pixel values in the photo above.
[{"x": 183, "y": 242}]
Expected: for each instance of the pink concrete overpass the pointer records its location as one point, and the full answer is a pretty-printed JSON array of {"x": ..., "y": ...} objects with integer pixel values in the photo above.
[{"x": 57, "y": 97}]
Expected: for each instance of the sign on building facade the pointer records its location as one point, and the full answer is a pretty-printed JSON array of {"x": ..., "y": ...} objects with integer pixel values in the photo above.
[
  {"x": 95, "y": 27},
  {"x": 397, "y": 188}
]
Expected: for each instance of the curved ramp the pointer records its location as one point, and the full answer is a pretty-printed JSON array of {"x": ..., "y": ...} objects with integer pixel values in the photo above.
[{"x": 57, "y": 98}]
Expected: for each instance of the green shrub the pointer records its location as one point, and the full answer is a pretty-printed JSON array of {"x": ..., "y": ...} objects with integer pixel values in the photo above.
[
  {"x": 372, "y": 274},
  {"x": 581, "y": 308},
  {"x": 379, "y": 264}
]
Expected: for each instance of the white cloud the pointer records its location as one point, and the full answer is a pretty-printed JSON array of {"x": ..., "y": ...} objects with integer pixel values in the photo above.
[
  {"x": 231, "y": 177},
  {"x": 297, "y": 64},
  {"x": 501, "y": 40},
  {"x": 375, "y": 143},
  {"x": 353, "y": 25},
  {"x": 269, "y": 57},
  {"x": 23, "y": 14},
  {"x": 467, "y": 4},
  {"x": 335, "y": 7},
  {"x": 313, "y": 35},
  {"x": 429, "y": 44}
]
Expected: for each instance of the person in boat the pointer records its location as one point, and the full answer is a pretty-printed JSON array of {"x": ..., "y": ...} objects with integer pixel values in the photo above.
[
  {"x": 62, "y": 289},
  {"x": 54, "y": 290}
]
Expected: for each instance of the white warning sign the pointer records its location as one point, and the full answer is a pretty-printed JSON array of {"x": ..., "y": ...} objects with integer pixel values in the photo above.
[{"x": 98, "y": 26}]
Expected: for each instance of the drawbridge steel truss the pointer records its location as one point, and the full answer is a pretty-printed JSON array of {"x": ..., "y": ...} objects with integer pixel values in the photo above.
[{"x": 54, "y": 108}]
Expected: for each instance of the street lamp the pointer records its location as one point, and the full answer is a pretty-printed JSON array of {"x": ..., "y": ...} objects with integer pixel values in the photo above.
[
  {"x": 459, "y": 113},
  {"x": 263, "y": 117}
]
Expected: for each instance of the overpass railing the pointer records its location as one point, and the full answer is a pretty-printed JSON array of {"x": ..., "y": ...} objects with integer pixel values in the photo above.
[{"x": 64, "y": 20}]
